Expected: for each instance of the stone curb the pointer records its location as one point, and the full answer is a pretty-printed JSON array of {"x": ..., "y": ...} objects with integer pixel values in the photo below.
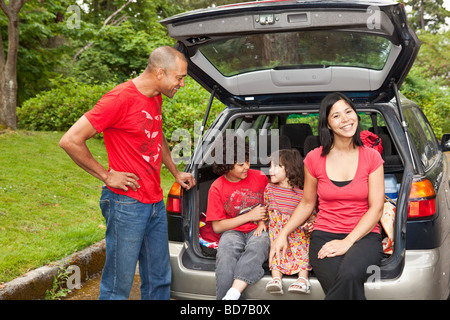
[{"x": 34, "y": 284}]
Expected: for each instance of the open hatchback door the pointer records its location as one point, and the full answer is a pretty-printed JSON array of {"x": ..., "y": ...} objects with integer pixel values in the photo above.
[
  {"x": 267, "y": 51},
  {"x": 271, "y": 63}
]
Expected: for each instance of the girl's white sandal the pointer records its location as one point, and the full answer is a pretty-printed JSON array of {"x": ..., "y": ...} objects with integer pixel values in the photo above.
[
  {"x": 300, "y": 286},
  {"x": 275, "y": 286}
]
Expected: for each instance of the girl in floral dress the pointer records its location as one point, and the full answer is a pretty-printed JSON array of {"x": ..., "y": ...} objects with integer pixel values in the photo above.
[{"x": 281, "y": 197}]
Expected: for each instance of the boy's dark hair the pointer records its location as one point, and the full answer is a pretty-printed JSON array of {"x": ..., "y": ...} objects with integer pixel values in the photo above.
[
  {"x": 292, "y": 162},
  {"x": 232, "y": 153}
]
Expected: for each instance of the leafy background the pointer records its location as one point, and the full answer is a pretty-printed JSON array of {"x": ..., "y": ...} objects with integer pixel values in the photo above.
[{"x": 59, "y": 78}]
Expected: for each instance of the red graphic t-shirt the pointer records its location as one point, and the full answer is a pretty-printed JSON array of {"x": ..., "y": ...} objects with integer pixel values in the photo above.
[
  {"x": 227, "y": 199},
  {"x": 132, "y": 128}
]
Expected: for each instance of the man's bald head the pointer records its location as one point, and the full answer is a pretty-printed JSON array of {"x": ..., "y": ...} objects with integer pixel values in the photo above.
[{"x": 164, "y": 57}]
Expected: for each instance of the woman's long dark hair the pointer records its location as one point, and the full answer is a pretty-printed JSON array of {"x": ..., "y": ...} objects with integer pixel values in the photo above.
[{"x": 325, "y": 134}]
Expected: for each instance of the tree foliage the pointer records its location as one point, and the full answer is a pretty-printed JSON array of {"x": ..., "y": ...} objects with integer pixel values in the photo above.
[
  {"x": 428, "y": 81},
  {"x": 58, "y": 109},
  {"x": 427, "y": 14},
  {"x": 43, "y": 47},
  {"x": 110, "y": 44}
]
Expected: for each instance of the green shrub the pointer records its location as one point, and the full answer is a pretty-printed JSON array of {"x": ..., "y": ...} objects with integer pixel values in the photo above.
[
  {"x": 186, "y": 107},
  {"x": 431, "y": 97},
  {"x": 59, "y": 108},
  {"x": 427, "y": 83}
]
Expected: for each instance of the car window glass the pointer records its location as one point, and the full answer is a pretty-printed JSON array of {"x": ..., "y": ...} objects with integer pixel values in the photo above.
[
  {"x": 235, "y": 123},
  {"x": 301, "y": 49},
  {"x": 311, "y": 118},
  {"x": 422, "y": 136},
  {"x": 275, "y": 124},
  {"x": 259, "y": 122}
]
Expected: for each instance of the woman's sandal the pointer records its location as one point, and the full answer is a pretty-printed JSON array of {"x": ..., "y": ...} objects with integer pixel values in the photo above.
[
  {"x": 300, "y": 286},
  {"x": 274, "y": 286}
]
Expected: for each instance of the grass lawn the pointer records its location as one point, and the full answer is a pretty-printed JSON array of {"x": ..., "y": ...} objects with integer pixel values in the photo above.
[{"x": 48, "y": 205}]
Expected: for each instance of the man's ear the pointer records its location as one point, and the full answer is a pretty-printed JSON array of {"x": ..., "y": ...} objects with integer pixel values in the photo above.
[{"x": 159, "y": 73}]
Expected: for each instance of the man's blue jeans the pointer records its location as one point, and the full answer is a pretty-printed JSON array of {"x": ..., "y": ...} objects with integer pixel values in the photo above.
[{"x": 135, "y": 231}]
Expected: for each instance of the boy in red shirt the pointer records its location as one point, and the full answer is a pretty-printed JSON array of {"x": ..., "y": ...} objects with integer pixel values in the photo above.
[
  {"x": 235, "y": 205},
  {"x": 132, "y": 201}
]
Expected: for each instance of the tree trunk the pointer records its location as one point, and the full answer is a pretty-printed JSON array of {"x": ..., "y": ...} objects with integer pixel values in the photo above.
[
  {"x": 8, "y": 66},
  {"x": 422, "y": 15},
  {"x": 9, "y": 77}
]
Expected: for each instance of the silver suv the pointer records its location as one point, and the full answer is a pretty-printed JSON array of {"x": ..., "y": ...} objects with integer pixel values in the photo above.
[{"x": 270, "y": 63}]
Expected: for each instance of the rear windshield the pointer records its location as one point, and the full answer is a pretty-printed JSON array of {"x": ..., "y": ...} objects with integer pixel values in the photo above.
[{"x": 305, "y": 49}]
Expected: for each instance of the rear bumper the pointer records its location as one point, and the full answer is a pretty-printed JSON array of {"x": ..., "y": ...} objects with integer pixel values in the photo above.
[{"x": 425, "y": 276}]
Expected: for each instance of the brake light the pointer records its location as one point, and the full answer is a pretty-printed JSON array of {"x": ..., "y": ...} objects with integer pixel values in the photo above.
[
  {"x": 175, "y": 199},
  {"x": 422, "y": 199}
]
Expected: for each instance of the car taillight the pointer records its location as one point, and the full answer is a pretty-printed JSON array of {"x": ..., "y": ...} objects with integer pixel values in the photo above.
[
  {"x": 175, "y": 199},
  {"x": 422, "y": 199}
]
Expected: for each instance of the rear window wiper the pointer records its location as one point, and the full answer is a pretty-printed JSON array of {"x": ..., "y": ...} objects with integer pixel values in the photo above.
[{"x": 302, "y": 66}]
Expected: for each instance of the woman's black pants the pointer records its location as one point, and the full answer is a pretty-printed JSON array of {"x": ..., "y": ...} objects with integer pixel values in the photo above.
[{"x": 343, "y": 277}]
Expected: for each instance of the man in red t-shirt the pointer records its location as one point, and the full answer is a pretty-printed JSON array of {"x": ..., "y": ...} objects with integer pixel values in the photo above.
[{"x": 132, "y": 201}]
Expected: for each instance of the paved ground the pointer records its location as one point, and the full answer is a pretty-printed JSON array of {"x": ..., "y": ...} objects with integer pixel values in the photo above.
[{"x": 90, "y": 290}]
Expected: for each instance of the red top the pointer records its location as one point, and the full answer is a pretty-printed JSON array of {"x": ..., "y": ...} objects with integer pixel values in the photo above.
[
  {"x": 341, "y": 208},
  {"x": 132, "y": 128},
  {"x": 226, "y": 199}
]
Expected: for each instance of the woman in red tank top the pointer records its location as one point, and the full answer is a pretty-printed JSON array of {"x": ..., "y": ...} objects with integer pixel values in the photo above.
[{"x": 347, "y": 180}]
